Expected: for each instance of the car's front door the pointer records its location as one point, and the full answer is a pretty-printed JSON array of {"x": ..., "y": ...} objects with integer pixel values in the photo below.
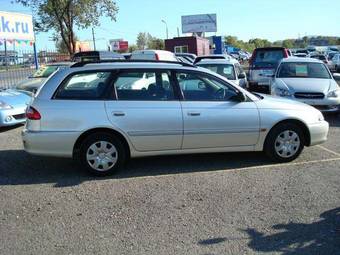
[
  {"x": 213, "y": 117},
  {"x": 147, "y": 109}
]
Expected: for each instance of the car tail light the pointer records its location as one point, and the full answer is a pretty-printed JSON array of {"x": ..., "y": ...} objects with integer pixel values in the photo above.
[
  {"x": 32, "y": 114},
  {"x": 156, "y": 56}
]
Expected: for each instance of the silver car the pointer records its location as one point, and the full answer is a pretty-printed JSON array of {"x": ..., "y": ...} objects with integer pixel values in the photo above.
[
  {"x": 94, "y": 114},
  {"x": 309, "y": 81},
  {"x": 12, "y": 107}
]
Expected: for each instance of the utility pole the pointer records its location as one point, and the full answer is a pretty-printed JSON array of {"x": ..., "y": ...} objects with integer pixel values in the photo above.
[
  {"x": 94, "y": 40},
  {"x": 166, "y": 27},
  {"x": 177, "y": 31}
]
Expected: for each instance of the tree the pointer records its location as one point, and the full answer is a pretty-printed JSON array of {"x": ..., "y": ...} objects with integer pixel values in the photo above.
[
  {"x": 156, "y": 44},
  {"x": 64, "y": 15},
  {"x": 133, "y": 47},
  {"x": 142, "y": 40}
]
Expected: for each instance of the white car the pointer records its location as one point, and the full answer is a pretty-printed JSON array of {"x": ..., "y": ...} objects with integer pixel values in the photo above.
[
  {"x": 309, "y": 81},
  {"x": 228, "y": 67},
  {"x": 187, "y": 109},
  {"x": 153, "y": 55}
]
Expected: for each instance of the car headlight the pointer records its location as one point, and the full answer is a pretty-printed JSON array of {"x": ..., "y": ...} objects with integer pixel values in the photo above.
[
  {"x": 4, "y": 106},
  {"x": 334, "y": 93},
  {"x": 282, "y": 92}
]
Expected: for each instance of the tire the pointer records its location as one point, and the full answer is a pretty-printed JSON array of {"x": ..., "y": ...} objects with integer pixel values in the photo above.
[
  {"x": 280, "y": 149},
  {"x": 102, "y": 154}
]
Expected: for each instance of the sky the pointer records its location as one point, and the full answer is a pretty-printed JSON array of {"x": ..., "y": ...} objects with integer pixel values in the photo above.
[{"x": 246, "y": 19}]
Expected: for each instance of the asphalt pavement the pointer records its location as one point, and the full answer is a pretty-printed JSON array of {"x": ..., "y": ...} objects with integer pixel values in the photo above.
[{"x": 231, "y": 203}]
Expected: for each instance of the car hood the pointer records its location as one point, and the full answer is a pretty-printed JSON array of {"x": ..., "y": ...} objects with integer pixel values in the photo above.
[
  {"x": 279, "y": 103},
  {"x": 31, "y": 83},
  {"x": 14, "y": 98},
  {"x": 306, "y": 85}
]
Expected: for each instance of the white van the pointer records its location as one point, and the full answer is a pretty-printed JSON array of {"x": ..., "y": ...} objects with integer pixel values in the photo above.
[{"x": 153, "y": 55}]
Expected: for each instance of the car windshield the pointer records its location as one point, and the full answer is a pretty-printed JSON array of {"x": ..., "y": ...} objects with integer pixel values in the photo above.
[
  {"x": 268, "y": 58},
  {"x": 45, "y": 71},
  {"x": 226, "y": 70},
  {"x": 303, "y": 70}
]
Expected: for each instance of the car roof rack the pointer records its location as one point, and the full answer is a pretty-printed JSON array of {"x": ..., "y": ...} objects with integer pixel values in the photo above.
[
  {"x": 198, "y": 59},
  {"x": 83, "y": 63}
]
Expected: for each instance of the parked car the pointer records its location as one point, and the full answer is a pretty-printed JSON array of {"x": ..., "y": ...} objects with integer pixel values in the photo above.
[
  {"x": 300, "y": 55},
  {"x": 153, "y": 55},
  {"x": 324, "y": 59},
  {"x": 227, "y": 67},
  {"x": 336, "y": 62},
  {"x": 302, "y": 51},
  {"x": 186, "y": 110},
  {"x": 308, "y": 81},
  {"x": 262, "y": 66},
  {"x": 37, "y": 79},
  {"x": 94, "y": 56},
  {"x": 12, "y": 107}
]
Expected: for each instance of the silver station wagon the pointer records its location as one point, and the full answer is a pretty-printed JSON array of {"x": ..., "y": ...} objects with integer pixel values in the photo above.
[{"x": 101, "y": 114}]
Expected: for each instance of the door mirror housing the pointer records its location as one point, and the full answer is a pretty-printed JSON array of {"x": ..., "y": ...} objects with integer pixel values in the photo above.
[
  {"x": 242, "y": 76},
  {"x": 336, "y": 76},
  {"x": 241, "y": 97}
]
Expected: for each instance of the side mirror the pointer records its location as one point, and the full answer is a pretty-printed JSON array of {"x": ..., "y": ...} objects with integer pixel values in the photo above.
[
  {"x": 241, "y": 97},
  {"x": 336, "y": 76},
  {"x": 242, "y": 76}
]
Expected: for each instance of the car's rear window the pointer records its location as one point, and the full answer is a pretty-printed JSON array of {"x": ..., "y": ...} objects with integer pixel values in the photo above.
[
  {"x": 303, "y": 70},
  {"x": 268, "y": 58},
  {"x": 225, "y": 70}
]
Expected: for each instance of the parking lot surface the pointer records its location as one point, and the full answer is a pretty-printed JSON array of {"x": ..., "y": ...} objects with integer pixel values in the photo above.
[{"x": 234, "y": 203}]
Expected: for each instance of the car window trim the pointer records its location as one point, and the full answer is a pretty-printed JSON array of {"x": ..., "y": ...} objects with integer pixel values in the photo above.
[
  {"x": 119, "y": 71},
  {"x": 70, "y": 75},
  {"x": 176, "y": 71}
]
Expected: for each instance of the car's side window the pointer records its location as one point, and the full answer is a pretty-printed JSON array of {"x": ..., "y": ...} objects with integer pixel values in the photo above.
[
  {"x": 144, "y": 86},
  {"x": 200, "y": 87},
  {"x": 84, "y": 86}
]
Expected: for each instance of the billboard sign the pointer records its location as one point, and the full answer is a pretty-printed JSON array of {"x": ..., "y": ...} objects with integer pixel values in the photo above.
[
  {"x": 199, "y": 23},
  {"x": 118, "y": 44},
  {"x": 16, "y": 26}
]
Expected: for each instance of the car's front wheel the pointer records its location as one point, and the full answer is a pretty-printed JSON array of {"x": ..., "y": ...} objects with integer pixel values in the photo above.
[
  {"x": 284, "y": 142},
  {"x": 102, "y": 154}
]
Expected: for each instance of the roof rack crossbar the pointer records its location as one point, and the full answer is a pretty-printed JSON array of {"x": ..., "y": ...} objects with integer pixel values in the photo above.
[{"x": 83, "y": 63}]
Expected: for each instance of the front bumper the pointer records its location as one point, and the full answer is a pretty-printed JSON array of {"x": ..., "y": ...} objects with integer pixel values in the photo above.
[
  {"x": 46, "y": 143},
  {"x": 318, "y": 132},
  {"x": 323, "y": 105},
  {"x": 10, "y": 117}
]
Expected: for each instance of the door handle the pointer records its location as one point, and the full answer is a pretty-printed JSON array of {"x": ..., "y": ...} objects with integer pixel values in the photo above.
[
  {"x": 194, "y": 113},
  {"x": 118, "y": 114}
]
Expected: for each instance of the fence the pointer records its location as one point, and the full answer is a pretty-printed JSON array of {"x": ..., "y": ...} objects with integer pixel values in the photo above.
[{"x": 15, "y": 66}]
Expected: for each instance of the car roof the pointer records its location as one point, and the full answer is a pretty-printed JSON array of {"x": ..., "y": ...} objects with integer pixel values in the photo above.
[
  {"x": 131, "y": 65},
  {"x": 295, "y": 59},
  {"x": 230, "y": 61}
]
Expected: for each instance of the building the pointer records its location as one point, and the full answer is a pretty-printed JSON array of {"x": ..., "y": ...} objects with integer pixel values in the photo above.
[{"x": 190, "y": 44}]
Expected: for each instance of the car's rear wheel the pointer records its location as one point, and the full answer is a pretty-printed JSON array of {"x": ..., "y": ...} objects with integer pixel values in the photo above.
[
  {"x": 102, "y": 154},
  {"x": 284, "y": 142}
]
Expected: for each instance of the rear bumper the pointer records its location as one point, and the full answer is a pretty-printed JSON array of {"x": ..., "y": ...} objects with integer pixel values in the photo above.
[
  {"x": 55, "y": 144},
  {"x": 12, "y": 116},
  {"x": 318, "y": 132},
  {"x": 259, "y": 86}
]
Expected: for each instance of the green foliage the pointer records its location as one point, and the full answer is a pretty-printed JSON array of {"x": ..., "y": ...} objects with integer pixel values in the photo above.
[
  {"x": 63, "y": 16},
  {"x": 287, "y": 43},
  {"x": 147, "y": 41}
]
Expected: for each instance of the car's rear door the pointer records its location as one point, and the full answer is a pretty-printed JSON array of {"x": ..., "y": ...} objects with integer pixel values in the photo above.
[
  {"x": 146, "y": 108},
  {"x": 212, "y": 117}
]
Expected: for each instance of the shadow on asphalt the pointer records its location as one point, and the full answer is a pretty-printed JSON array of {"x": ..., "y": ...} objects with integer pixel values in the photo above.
[
  {"x": 5, "y": 129},
  {"x": 19, "y": 168},
  {"x": 333, "y": 119},
  {"x": 321, "y": 237}
]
